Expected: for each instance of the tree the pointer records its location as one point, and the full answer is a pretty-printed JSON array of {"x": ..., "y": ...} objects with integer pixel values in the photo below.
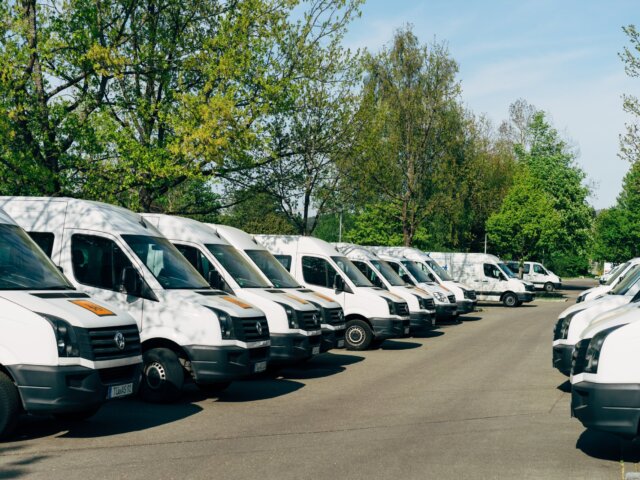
[
  {"x": 527, "y": 225},
  {"x": 630, "y": 140},
  {"x": 407, "y": 113}
]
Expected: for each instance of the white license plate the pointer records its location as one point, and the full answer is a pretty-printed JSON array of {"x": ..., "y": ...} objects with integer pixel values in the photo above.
[
  {"x": 260, "y": 367},
  {"x": 315, "y": 351},
  {"x": 340, "y": 343},
  {"x": 406, "y": 329},
  {"x": 116, "y": 391}
]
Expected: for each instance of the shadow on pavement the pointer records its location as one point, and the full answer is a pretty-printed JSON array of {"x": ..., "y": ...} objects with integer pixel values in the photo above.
[
  {"x": 396, "y": 345},
  {"x": 469, "y": 318},
  {"x": 16, "y": 468},
  {"x": 428, "y": 334},
  {"x": 114, "y": 418},
  {"x": 607, "y": 446},
  {"x": 565, "y": 387},
  {"x": 321, "y": 366},
  {"x": 258, "y": 389}
]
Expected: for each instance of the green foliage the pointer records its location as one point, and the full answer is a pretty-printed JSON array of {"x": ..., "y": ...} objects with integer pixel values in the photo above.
[
  {"x": 258, "y": 212},
  {"x": 527, "y": 224}
]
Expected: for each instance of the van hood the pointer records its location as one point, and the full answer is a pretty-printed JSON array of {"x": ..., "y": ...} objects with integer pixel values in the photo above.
[
  {"x": 290, "y": 298},
  {"x": 584, "y": 318},
  {"x": 620, "y": 316},
  {"x": 314, "y": 297},
  {"x": 213, "y": 298},
  {"x": 76, "y": 308},
  {"x": 583, "y": 305}
]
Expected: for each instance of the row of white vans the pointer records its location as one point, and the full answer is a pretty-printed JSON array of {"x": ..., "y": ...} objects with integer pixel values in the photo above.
[
  {"x": 98, "y": 301},
  {"x": 597, "y": 343}
]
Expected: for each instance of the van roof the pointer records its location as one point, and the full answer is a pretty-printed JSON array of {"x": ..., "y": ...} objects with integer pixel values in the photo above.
[
  {"x": 354, "y": 251},
  {"x": 461, "y": 256},
  {"x": 185, "y": 229},
  {"x": 297, "y": 243},
  {"x": 79, "y": 214},
  {"x": 5, "y": 218},
  {"x": 236, "y": 237}
]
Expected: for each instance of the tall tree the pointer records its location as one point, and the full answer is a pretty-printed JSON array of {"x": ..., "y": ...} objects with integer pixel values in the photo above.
[
  {"x": 407, "y": 112},
  {"x": 630, "y": 140}
]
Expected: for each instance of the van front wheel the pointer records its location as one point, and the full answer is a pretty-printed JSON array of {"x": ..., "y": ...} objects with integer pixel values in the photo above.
[
  {"x": 9, "y": 405},
  {"x": 548, "y": 287},
  {"x": 510, "y": 300},
  {"x": 162, "y": 377},
  {"x": 358, "y": 335}
]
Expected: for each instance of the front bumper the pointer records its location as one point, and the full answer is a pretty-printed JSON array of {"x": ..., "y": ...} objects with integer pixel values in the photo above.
[
  {"x": 384, "y": 328},
  {"x": 526, "y": 297},
  {"x": 421, "y": 321},
  {"x": 466, "y": 306},
  {"x": 562, "y": 358},
  {"x": 220, "y": 364},
  {"x": 331, "y": 339},
  {"x": 67, "y": 389},
  {"x": 446, "y": 311},
  {"x": 291, "y": 348},
  {"x": 612, "y": 408}
]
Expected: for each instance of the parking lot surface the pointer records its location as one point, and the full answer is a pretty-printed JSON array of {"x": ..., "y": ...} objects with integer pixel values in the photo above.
[{"x": 477, "y": 400}]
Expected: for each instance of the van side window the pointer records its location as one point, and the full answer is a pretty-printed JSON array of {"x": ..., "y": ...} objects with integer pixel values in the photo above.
[
  {"x": 44, "y": 241},
  {"x": 98, "y": 261},
  {"x": 317, "y": 271},
  {"x": 526, "y": 268},
  {"x": 368, "y": 272},
  {"x": 196, "y": 258},
  {"x": 400, "y": 270},
  {"x": 539, "y": 269},
  {"x": 285, "y": 260},
  {"x": 491, "y": 271}
]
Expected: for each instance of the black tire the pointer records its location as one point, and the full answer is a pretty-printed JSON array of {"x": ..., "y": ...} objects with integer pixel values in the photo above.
[
  {"x": 213, "y": 388},
  {"x": 510, "y": 300},
  {"x": 162, "y": 376},
  {"x": 78, "y": 416},
  {"x": 358, "y": 335},
  {"x": 548, "y": 287},
  {"x": 10, "y": 406}
]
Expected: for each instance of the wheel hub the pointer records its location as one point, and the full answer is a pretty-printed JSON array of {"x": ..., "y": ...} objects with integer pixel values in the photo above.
[
  {"x": 356, "y": 335},
  {"x": 155, "y": 375}
]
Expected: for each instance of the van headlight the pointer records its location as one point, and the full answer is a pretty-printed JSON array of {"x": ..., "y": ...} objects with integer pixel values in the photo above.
[
  {"x": 226, "y": 322},
  {"x": 66, "y": 338},
  {"x": 595, "y": 347},
  {"x": 392, "y": 309},
  {"x": 440, "y": 297},
  {"x": 422, "y": 302},
  {"x": 566, "y": 323},
  {"x": 292, "y": 318},
  {"x": 580, "y": 298}
]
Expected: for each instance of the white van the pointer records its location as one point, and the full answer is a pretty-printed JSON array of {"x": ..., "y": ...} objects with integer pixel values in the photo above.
[
  {"x": 615, "y": 278},
  {"x": 465, "y": 296},
  {"x": 372, "y": 314},
  {"x": 422, "y": 308},
  {"x": 188, "y": 330},
  {"x": 61, "y": 351},
  {"x": 489, "y": 276},
  {"x": 575, "y": 319},
  {"x": 332, "y": 315},
  {"x": 294, "y": 323},
  {"x": 536, "y": 273},
  {"x": 605, "y": 379},
  {"x": 412, "y": 273}
]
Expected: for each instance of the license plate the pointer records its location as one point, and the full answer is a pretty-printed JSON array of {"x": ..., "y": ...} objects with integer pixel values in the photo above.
[
  {"x": 406, "y": 329},
  {"x": 260, "y": 367},
  {"x": 340, "y": 343},
  {"x": 116, "y": 391},
  {"x": 315, "y": 350}
]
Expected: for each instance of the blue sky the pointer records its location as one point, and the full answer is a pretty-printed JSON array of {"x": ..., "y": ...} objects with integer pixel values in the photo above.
[{"x": 561, "y": 56}]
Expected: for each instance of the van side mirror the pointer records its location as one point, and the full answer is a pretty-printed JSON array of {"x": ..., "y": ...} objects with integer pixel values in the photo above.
[
  {"x": 215, "y": 280},
  {"x": 60, "y": 269},
  {"x": 338, "y": 283},
  {"x": 131, "y": 282}
]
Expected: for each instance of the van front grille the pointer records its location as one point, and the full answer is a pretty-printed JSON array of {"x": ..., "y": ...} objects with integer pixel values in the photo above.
[
  {"x": 104, "y": 343},
  {"x": 309, "y": 320},
  {"x": 252, "y": 329}
]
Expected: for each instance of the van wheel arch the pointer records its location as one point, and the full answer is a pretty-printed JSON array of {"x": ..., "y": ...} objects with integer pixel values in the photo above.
[
  {"x": 509, "y": 299},
  {"x": 359, "y": 333}
]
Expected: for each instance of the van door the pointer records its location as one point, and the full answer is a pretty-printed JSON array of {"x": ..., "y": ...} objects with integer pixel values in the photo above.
[
  {"x": 538, "y": 275},
  {"x": 318, "y": 274},
  {"x": 96, "y": 264},
  {"x": 492, "y": 281}
]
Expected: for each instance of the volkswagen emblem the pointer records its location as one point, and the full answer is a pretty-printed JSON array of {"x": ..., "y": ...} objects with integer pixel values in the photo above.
[
  {"x": 315, "y": 319},
  {"x": 119, "y": 340},
  {"x": 259, "y": 328}
]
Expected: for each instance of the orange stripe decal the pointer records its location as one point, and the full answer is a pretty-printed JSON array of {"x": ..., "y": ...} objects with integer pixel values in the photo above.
[{"x": 93, "y": 308}]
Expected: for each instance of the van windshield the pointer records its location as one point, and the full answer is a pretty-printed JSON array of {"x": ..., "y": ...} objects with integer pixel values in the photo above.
[
  {"x": 439, "y": 271},
  {"x": 272, "y": 269},
  {"x": 631, "y": 278},
  {"x": 388, "y": 273},
  {"x": 617, "y": 273},
  {"x": 164, "y": 261},
  {"x": 506, "y": 270},
  {"x": 23, "y": 266},
  {"x": 237, "y": 266},
  {"x": 416, "y": 271},
  {"x": 355, "y": 275}
]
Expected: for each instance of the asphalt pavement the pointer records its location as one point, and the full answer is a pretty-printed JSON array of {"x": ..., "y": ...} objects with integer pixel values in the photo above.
[{"x": 473, "y": 400}]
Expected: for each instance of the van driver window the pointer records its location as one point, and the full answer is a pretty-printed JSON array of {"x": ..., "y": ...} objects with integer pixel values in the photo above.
[
  {"x": 317, "y": 271},
  {"x": 98, "y": 261},
  {"x": 539, "y": 269},
  {"x": 492, "y": 271},
  {"x": 196, "y": 258},
  {"x": 368, "y": 272},
  {"x": 44, "y": 241}
]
